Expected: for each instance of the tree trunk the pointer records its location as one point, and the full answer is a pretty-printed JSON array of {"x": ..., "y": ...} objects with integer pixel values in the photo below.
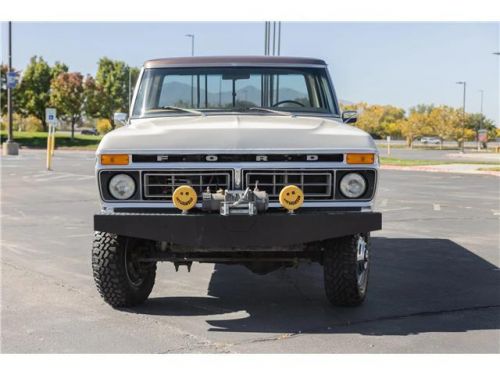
[
  {"x": 72, "y": 128},
  {"x": 410, "y": 142}
]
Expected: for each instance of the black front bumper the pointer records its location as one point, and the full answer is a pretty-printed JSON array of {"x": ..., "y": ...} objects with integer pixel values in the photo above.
[{"x": 213, "y": 230}]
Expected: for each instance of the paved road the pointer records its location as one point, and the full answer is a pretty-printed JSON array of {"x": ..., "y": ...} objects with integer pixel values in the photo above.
[{"x": 434, "y": 285}]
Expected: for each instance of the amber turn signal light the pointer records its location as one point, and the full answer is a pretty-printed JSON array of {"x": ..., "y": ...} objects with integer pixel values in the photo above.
[
  {"x": 360, "y": 158},
  {"x": 114, "y": 159}
]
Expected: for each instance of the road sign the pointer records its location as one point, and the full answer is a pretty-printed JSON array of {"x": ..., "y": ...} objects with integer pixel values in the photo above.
[
  {"x": 51, "y": 116},
  {"x": 482, "y": 135},
  {"x": 11, "y": 80}
]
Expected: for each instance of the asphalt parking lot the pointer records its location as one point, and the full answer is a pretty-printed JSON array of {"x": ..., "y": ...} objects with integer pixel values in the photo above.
[{"x": 434, "y": 283}]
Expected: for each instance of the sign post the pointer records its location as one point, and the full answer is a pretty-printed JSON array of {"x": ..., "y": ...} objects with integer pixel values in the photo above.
[
  {"x": 51, "y": 119},
  {"x": 388, "y": 145}
]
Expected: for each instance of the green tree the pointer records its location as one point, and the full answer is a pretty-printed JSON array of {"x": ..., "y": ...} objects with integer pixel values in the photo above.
[
  {"x": 414, "y": 126},
  {"x": 67, "y": 96},
  {"x": 381, "y": 120},
  {"x": 112, "y": 84},
  {"x": 424, "y": 109},
  {"x": 33, "y": 94},
  {"x": 442, "y": 121},
  {"x": 476, "y": 121},
  {"x": 3, "y": 88},
  {"x": 92, "y": 95},
  {"x": 58, "y": 68}
]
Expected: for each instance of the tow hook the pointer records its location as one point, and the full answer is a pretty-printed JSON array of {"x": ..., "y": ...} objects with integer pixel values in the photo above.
[{"x": 188, "y": 264}]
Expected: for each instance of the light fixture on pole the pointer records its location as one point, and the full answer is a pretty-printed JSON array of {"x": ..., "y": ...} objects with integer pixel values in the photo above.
[
  {"x": 192, "y": 42},
  {"x": 463, "y": 119}
]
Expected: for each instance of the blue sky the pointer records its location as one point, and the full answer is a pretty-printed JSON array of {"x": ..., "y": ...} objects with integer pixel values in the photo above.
[{"x": 385, "y": 63}]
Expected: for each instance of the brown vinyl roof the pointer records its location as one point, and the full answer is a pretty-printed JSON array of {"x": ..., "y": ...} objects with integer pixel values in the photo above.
[{"x": 231, "y": 61}]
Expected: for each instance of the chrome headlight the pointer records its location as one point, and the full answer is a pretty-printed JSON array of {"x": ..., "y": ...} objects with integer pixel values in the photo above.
[
  {"x": 122, "y": 186},
  {"x": 353, "y": 185}
]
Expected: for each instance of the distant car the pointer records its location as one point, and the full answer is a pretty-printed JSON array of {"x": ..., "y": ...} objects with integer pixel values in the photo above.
[
  {"x": 89, "y": 132},
  {"x": 430, "y": 140}
]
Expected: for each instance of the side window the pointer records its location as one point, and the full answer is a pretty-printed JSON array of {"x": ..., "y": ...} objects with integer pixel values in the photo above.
[
  {"x": 328, "y": 94},
  {"x": 178, "y": 91},
  {"x": 290, "y": 87}
]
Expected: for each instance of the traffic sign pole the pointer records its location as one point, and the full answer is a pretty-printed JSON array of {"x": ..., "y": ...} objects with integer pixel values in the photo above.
[
  {"x": 49, "y": 149},
  {"x": 51, "y": 119},
  {"x": 53, "y": 142}
]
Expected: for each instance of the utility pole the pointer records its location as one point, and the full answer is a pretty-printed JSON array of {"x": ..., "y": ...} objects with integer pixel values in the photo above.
[
  {"x": 481, "y": 123},
  {"x": 274, "y": 36},
  {"x": 10, "y": 147},
  {"x": 192, "y": 77},
  {"x": 279, "y": 38},
  {"x": 129, "y": 84},
  {"x": 463, "y": 119}
]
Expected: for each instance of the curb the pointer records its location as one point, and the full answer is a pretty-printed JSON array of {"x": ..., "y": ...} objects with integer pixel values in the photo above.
[{"x": 438, "y": 168}]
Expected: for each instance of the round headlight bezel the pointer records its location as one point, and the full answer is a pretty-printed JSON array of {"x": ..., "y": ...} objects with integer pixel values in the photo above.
[
  {"x": 350, "y": 177},
  {"x": 126, "y": 178}
]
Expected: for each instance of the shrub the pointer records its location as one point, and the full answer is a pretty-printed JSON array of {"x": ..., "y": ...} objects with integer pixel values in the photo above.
[{"x": 103, "y": 126}]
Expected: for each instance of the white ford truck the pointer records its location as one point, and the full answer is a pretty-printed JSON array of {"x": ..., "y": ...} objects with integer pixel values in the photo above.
[{"x": 235, "y": 160}]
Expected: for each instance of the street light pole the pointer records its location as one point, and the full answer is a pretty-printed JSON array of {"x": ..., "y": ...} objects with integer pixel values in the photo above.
[
  {"x": 129, "y": 84},
  {"x": 192, "y": 77},
  {"x": 463, "y": 119},
  {"x": 192, "y": 43},
  {"x": 10, "y": 147},
  {"x": 481, "y": 123},
  {"x": 279, "y": 38}
]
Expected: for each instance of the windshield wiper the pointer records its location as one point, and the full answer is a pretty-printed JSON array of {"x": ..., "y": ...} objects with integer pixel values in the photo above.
[
  {"x": 189, "y": 110},
  {"x": 283, "y": 113}
]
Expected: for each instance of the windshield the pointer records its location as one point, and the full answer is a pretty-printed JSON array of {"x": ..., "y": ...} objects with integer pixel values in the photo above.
[{"x": 170, "y": 91}]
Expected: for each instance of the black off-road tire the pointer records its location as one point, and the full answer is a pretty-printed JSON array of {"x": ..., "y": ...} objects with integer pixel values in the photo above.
[
  {"x": 343, "y": 284},
  {"x": 111, "y": 275}
]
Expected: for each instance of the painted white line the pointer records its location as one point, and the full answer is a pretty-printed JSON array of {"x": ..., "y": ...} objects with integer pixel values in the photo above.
[
  {"x": 396, "y": 209},
  {"x": 384, "y": 203},
  {"x": 79, "y": 235},
  {"x": 57, "y": 176},
  {"x": 436, "y": 207}
]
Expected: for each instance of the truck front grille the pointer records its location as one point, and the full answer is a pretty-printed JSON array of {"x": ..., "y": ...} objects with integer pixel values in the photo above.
[
  {"x": 316, "y": 184},
  {"x": 161, "y": 185}
]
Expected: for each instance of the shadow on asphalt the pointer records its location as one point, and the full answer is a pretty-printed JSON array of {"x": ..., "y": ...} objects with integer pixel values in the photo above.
[{"x": 435, "y": 282}]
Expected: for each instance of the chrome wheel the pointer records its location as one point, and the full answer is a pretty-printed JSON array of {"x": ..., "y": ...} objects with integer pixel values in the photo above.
[{"x": 362, "y": 258}]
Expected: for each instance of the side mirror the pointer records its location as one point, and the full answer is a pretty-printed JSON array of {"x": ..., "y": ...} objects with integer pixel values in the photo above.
[
  {"x": 349, "y": 117},
  {"x": 120, "y": 117}
]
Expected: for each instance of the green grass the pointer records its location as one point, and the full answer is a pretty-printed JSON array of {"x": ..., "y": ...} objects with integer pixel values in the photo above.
[
  {"x": 410, "y": 162},
  {"x": 490, "y": 169},
  {"x": 63, "y": 140}
]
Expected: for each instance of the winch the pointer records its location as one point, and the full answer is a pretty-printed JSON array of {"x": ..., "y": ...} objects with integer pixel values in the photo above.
[{"x": 236, "y": 202}]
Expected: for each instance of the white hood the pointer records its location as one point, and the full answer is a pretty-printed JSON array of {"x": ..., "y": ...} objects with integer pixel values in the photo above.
[{"x": 235, "y": 133}]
